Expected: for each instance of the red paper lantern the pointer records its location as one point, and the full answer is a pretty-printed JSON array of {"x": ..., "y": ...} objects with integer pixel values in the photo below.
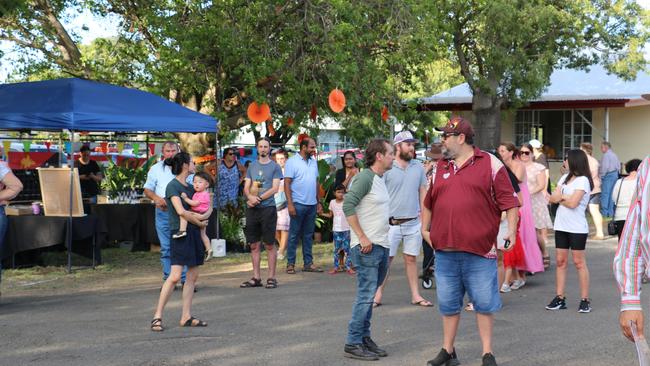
[
  {"x": 269, "y": 127},
  {"x": 384, "y": 113},
  {"x": 337, "y": 100},
  {"x": 290, "y": 121},
  {"x": 258, "y": 113},
  {"x": 314, "y": 113}
]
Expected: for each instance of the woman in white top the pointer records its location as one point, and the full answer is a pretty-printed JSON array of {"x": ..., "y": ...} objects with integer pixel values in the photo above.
[
  {"x": 622, "y": 194},
  {"x": 571, "y": 227}
]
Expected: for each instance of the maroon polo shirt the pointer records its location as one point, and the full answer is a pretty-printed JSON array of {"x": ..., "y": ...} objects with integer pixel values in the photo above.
[{"x": 466, "y": 203}]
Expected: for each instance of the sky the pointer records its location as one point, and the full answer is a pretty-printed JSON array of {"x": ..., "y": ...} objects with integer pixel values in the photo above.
[{"x": 98, "y": 27}]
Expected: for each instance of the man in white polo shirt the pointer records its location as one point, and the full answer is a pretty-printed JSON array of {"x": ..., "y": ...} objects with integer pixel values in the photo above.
[{"x": 407, "y": 186}]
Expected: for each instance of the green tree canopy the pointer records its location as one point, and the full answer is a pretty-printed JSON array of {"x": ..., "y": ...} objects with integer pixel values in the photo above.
[{"x": 507, "y": 49}]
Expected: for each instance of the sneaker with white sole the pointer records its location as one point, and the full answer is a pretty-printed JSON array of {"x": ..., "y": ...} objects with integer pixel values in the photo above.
[
  {"x": 558, "y": 303},
  {"x": 517, "y": 284},
  {"x": 585, "y": 306},
  {"x": 505, "y": 288}
]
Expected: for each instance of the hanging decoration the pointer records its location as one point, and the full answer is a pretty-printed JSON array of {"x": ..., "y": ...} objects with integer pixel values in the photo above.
[
  {"x": 314, "y": 113},
  {"x": 6, "y": 147},
  {"x": 258, "y": 113},
  {"x": 337, "y": 100},
  {"x": 136, "y": 148},
  {"x": 104, "y": 147},
  {"x": 301, "y": 137},
  {"x": 384, "y": 114},
  {"x": 270, "y": 128},
  {"x": 68, "y": 147},
  {"x": 47, "y": 145},
  {"x": 27, "y": 144},
  {"x": 152, "y": 149},
  {"x": 290, "y": 122}
]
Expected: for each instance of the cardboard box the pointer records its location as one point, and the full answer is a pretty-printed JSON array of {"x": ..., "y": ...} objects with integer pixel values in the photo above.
[{"x": 19, "y": 210}]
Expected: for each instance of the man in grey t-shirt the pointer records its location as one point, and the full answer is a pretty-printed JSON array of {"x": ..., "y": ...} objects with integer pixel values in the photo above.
[
  {"x": 262, "y": 182},
  {"x": 407, "y": 186}
]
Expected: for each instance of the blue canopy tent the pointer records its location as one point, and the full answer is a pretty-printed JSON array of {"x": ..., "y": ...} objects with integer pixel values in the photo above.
[{"x": 83, "y": 105}]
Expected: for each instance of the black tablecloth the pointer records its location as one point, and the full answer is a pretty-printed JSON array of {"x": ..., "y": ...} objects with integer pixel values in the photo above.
[
  {"x": 34, "y": 232},
  {"x": 127, "y": 222}
]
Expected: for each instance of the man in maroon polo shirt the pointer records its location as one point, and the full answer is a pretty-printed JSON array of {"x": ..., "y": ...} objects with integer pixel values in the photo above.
[{"x": 460, "y": 220}]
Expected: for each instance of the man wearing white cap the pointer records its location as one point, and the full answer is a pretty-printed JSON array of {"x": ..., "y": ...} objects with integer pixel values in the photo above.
[{"x": 406, "y": 183}]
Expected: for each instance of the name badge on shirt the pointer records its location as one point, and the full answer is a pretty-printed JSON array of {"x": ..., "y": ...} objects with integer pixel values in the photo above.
[{"x": 446, "y": 175}]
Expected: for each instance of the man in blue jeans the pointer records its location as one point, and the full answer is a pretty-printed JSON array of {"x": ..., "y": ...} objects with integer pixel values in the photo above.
[
  {"x": 301, "y": 190},
  {"x": 460, "y": 220},
  {"x": 608, "y": 172},
  {"x": 367, "y": 209},
  {"x": 154, "y": 188}
]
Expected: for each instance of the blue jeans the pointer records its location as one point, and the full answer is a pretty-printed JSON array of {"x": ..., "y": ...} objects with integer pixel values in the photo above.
[
  {"x": 607, "y": 186},
  {"x": 165, "y": 236},
  {"x": 3, "y": 231},
  {"x": 303, "y": 223},
  {"x": 460, "y": 272},
  {"x": 371, "y": 271}
]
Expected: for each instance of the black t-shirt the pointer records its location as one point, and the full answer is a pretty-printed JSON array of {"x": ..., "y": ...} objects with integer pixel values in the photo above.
[
  {"x": 89, "y": 188},
  {"x": 175, "y": 188}
]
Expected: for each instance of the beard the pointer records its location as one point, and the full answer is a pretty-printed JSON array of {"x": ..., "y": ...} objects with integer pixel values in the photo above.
[
  {"x": 264, "y": 154},
  {"x": 448, "y": 154},
  {"x": 405, "y": 155}
]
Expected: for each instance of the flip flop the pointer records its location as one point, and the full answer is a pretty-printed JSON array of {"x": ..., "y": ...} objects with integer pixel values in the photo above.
[{"x": 423, "y": 303}]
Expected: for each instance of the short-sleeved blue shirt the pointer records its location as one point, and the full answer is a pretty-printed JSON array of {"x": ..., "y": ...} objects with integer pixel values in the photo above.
[
  {"x": 264, "y": 175},
  {"x": 304, "y": 175}
]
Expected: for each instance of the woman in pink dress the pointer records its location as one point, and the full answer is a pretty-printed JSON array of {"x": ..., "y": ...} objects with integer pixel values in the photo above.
[{"x": 532, "y": 255}]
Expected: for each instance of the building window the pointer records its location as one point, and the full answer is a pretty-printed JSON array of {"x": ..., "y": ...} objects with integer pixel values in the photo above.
[{"x": 559, "y": 130}]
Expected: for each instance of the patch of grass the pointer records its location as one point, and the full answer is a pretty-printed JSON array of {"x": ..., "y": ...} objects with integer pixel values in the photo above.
[{"x": 120, "y": 269}]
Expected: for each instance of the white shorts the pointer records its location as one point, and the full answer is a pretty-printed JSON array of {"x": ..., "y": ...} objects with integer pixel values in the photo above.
[{"x": 408, "y": 233}]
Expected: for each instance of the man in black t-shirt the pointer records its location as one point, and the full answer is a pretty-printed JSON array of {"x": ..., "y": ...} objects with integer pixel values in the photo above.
[{"x": 90, "y": 174}]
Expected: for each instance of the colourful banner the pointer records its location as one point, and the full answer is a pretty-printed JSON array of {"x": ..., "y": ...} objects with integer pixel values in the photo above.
[
  {"x": 104, "y": 147},
  {"x": 6, "y": 147},
  {"x": 26, "y": 145},
  {"x": 120, "y": 147},
  {"x": 22, "y": 160},
  {"x": 152, "y": 149},
  {"x": 136, "y": 148}
]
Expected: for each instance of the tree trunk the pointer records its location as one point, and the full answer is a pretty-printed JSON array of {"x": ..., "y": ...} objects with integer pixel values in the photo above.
[{"x": 486, "y": 119}]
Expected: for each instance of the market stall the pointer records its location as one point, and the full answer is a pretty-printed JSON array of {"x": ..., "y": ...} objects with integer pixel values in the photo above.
[{"x": 75, "y": 105}]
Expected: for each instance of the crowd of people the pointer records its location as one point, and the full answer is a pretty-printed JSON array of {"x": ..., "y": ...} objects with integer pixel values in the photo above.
[{"x": 480, "y": 218}]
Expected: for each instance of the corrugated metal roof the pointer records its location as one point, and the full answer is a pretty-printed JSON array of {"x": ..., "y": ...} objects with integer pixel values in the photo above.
[{"x": 566, "y": 85}]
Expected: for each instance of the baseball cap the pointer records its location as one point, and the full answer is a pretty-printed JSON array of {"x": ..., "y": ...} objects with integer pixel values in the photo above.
[
  {"x": 457, "y": 125},
  {"x": 434, "y": 152},
  {"x": 536, "y": 144},
  {"x": 404, "y": 136}
]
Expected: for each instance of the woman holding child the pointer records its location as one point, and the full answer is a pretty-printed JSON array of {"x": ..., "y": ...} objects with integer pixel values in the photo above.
[{"x": 187, "y": 250}]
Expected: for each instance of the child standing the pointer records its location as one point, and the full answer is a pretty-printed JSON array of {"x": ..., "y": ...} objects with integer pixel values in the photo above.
[
  {"x": 199, "y": 204},
  {"x": 341, "y": 233}
]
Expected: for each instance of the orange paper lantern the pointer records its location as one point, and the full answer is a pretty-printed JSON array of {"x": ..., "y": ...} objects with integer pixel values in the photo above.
[
  {"x": 314, "y": 112},
  {"x": 290, "y": 121},
  {"x": 258, "y": 113},
  {"x": 337, "y": 101},
  {"x": 384, "y": 113}
]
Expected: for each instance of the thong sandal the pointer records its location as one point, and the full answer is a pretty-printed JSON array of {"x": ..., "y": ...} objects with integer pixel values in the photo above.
[
  {"x": 190, "y": 323},
  {"x": 271, "y": 283},
  {"x": 423, "y": 303},
  {"x": 291, "y": 269},
  {"x": 156, "y": 325},
  {"x": 253, "y": 282}
]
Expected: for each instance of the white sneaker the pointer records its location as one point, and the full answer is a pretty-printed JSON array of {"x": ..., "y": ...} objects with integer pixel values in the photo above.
[
  {"x": 505, "y": 288},
  {"x": 517, "y": 284},
  {"x": 280, "y": 256}
]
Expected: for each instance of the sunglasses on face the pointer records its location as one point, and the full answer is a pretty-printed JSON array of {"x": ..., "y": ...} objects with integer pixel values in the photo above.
[
  {"x": 230, "y": 153},
  {"x": 444, "y": 136},
  {"x": 525, "y": 153}
]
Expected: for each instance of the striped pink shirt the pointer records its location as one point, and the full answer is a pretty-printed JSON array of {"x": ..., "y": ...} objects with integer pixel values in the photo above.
[{"x": 633, "y": 253}]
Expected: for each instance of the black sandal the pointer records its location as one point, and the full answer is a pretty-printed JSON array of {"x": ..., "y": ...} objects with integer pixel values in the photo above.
[
  {"x": 190, "y": 323},
  {"x": 253, "y": 282},
  {"x": 156, "y": 325},
  {"x": 271, "y": 283}
]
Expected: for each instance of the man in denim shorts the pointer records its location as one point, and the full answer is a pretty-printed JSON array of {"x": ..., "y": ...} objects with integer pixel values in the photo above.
[
  {"x": 407, "y": 184},
  {"x": 460, "y": 219}
]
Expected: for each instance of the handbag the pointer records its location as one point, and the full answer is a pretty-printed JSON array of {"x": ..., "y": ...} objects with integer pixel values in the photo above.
[
  {"x": 280, "y": 201},
  {"x": 611, "y": 226}
]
